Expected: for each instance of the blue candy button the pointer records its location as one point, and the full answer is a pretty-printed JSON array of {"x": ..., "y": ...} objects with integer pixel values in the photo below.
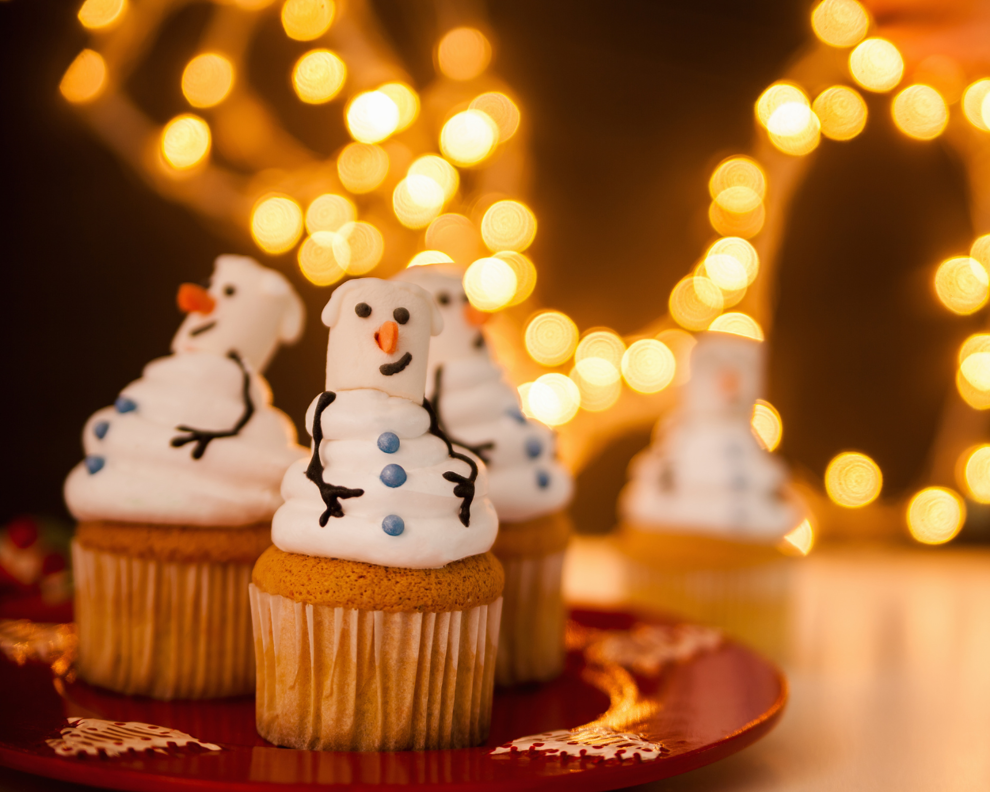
[
  {"x": 100, "y": 429},
  {"x": 542, "y": 479},
  {"x": 388, "y": 442},
  {"x": 124, "y": 405},
  {"x": 94, "y": 464},
  {"x": 393, "y": 525},
  {"x": 516, "y": 414},
  {"x": 533, "y": 447},
  {"x": 393, "y": 476}
]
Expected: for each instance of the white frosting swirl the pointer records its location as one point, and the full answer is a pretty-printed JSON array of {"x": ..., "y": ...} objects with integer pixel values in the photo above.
[
  {"x": 431, "y": 534},
  {"x": 132, "y": 473}
]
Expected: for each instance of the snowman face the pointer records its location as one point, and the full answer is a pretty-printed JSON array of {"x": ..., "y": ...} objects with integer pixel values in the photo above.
[
  {"x": 462, "y": 336},
  {"x": 247, "y": 308},
  {"x": 726, "y": 375},
  {"x": 380, "y": 337}
]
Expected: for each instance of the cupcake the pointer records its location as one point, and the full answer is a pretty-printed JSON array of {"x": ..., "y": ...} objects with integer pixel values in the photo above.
[
  {"x": 479, "y": 410},
  {"x": 706, "y": 509},
  {"x": 376, "y": 612},
  {"x": 175, "y": 497}
]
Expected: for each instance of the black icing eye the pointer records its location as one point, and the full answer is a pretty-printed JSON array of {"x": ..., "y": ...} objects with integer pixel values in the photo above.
[
  {"x": 230, "y": 291},
  {"x": 363, "y": 310},
  {"x": 443, "y": 298},
  {"x": 464, "y": 298},
  {"x": 401, "y": 315}
]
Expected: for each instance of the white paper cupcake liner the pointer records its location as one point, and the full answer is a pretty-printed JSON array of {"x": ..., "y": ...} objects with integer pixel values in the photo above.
[
  {"x": 163, "y": 629},
  {"x": 531, "y": 647},
  {"x": 354, "y": 680}
]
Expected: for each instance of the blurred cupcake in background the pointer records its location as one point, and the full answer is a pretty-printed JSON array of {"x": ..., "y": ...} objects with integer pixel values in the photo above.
[
  {"x": 479, "y": 409},
  {"x": 175, "y": 497},
  {"x": 704, "y": 516}
]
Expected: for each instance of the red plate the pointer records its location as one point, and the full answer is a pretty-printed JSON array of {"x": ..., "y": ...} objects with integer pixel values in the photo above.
[{"x": 701, "y": 710}]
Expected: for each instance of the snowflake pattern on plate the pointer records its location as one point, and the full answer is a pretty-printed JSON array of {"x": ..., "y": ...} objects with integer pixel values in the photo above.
[
  {"x": 115, "y": 738},
  {"x": 596, "y": 742}
]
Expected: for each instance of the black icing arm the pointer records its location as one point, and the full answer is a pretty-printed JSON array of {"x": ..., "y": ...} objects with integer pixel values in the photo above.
[
  {"x": 481, "y": 450},
  {"x": 330, "y": 493},
  {"x": 203, "y": 437},
  {"x": 464, "y": 485}
]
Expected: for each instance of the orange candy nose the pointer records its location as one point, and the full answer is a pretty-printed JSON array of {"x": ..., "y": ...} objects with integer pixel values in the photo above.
[
  {"x": 387, "y": 337},
  {"x": 475, "y": 317},
  {"x": 195, "y": 299}
]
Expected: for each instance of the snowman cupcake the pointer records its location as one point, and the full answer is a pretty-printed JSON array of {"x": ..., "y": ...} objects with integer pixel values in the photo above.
[
  {"x": 479, "y": 409},
  {"x": 376, "y": 612},
  {"x": 176, "y": 494},
  {"x": 706, "y": 509}
]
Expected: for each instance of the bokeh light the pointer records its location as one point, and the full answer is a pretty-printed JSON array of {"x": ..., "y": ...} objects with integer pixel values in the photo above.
[
  {"x": 99, "y": 14},
  {"x": 745, "y": 225},
  {"x": 185, "y": 141},
  {"x": 426, "y": 257},
  {"x": 417, "y": 200},
  {"x": 456, "y": 236},
  {"x": 463, "y": 53},
  {"x": 841, "y": 112},
  {"x": 695, "y": 302},
  {"x": 551, "y": 338},
  {"x": 490, "y": 284},
  {"x": 738, "y": 185},
  {"x": 974, "y": 102},
  {"x": 739, "y": 324},
  {"x": 732, "y": 263},
  {"x": 500, "y": 109},
  {"x": 767, "y": 425},
  {"x": 318, "y": 76},
  {"x": 920, "y": 112},
  {"x": 440, "y": 171},
  {"x": 976, "y": 470},
  {"x": 468, "y": 138},
  {"x": 365, "y": 246},
  {"x": 362, "y": 167},
  {"x": 876, "y": 65},
  {"x": 329, "y": 212},
  {"x": 276, "y": 223},
  {"x": 508, "y": 225},
  {"x": 406, "y": 99},
  {"x": 853, "y": 480},
  {"x": 794, "y": 128},
  {"x": 962, "y": 283},
  {"x": 371, "y": 117},
  {"x": 802, "y": 538},
  {"x": 553, "y": 399},
  {"x": 318, "y": 258},
  {"x": 981, "y": 251},
  {"x": 525, "y": 274},
  {"x": 935, "y": 515},
  {"x": 681, "y": 343},
  {"x": 598, "y": 382},
  {"x": 840, "y": 23},
  {"x": 602, "y": 344},
  {"x": 976, "y": 370},
  {"x": 775, "y": 97},
  {"x": 85, "y": 78},
  {"x": 648, "y": 365},
  {"x": 207, "y": 79},
  {"x": 305, "y": 20}
]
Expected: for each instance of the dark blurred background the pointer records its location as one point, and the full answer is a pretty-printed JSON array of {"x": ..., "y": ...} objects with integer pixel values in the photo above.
[{"x": 630, "y": 104}]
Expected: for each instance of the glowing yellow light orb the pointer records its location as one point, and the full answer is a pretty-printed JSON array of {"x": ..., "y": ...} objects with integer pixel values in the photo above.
[
  {"x": 794, "y": 129},
  {"x": 508, "y": 225},
  {"x": 85, "y": 78},
  {"x": 490, "y": 284},
  {"x": 976, "y": 369},
  {"x": 974, "y": 104},
  {"x": 305, "y": 20},
  {"x": 732, "y": 263},
  {"x": 840, "y": 23},
  {"x": 417, "y": 200},
  {"x": 456, "y": 236},
  {"x": 318, "y": 258},
  {"x": 371, "y": 117},
  {"x": 876, "y": 65},
  {"x": 525, "y": 274},
  {"x": 598, "y": 382},
  {"x": 551, "y": 338},
  {"x": 920, "y": 112},
  {"x": 935, "y": 515},
  {"x": 680, "y": 342},
  {"x": 648, "y": 366},
  {"x": 276, "y": 223},
  {"x": 426, "y": 257},
  {"x": 841, "y": 111},
  {"x": 468, "y": 138},
  {"x": 774, "y": 97},
  {"x": 801, "y": 539},
  {"x": 318, "y": 76},
  {"x": 977, "y": 473},
  {"x": 962, "y": 284},
  {"x": 185, "y": 141},
  {"x": 766, "y": 425},
  {"x": 98, "y": 14},
  {"x": 365, "y": 247},
  {"x": 981, "y": 251},
  {"x": 329, "y": 212},
  {"x": 695, "y": 302},
  {"x": 602, "y": 344},
  {"x": 463, "y": 53},
  {"x": 500, "y": 109},
  {"x": 554, "y": 399},
  {"x": 739, "y": 324},
  {"x": 745, "y": 224},
  {"x": 738, "y": 185},
  {"x": 406, "y": 99},
  {"x": 440, "y": 171},
  {"x": 362, "y": 167},
  {"x": 207, "y": 79},
  {"x": 853, "y": 480}
]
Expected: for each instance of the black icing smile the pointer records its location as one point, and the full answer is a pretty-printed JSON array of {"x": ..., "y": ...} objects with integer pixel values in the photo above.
[
  {"x": 203, "y": 328},
  {"x": 388, "y": 369}
]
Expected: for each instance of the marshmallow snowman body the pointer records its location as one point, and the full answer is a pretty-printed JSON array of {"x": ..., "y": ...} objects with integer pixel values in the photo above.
[
  {"x": 705, "y": 470},
  {"x": 376, "y": 444}
]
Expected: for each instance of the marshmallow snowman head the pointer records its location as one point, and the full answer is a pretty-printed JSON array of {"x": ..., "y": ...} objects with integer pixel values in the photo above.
[
  {"x": 380, "y": 337},
  {"x": 247, "y": 308},
  {"x": 726, "y": 375},
  {"x": 461, "y": 336}
]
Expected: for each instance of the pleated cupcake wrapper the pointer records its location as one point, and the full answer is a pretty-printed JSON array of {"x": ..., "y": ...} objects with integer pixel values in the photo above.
[
  {"x": 531, "y": 647},
  {"x": 749, "y": 603},
  {"x": 345, "y": 679},
  {"x": 163, "y": 629}
]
